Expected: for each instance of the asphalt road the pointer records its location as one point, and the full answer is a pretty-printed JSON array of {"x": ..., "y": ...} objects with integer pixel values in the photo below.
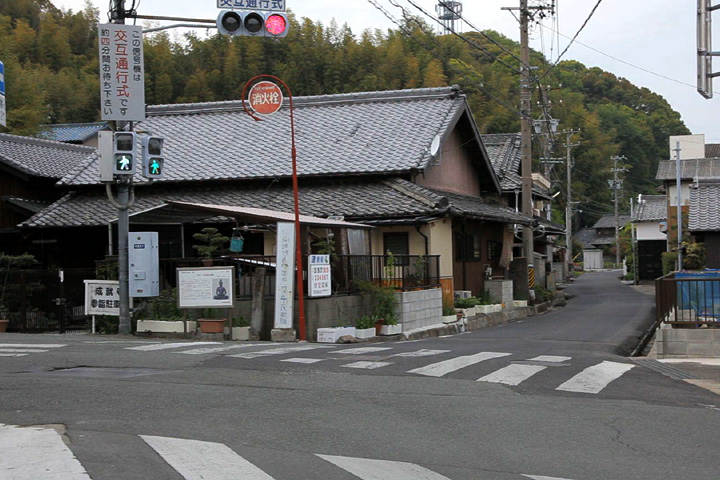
[{"x": 545, "y": 398}]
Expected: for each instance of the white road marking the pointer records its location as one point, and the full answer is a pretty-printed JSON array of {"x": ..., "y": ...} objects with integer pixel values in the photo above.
[
  {"x": 21, "y": 350},
  {"x": 13, "y": 354},
  {"x": 32, "y": 345},
  {"x": 34, "y": 453},
  {"x": 421, "y": 353},
  {"x": 168, "y": 346},
  {"x": 713, "y": 362},
  {"x": 362, "y": 350},
  {"x": 447, "y": 366},
  {"x": 535, "y": 477},
  {"x": 367, "y": 365},
  {"x": 303, "y": 360},
  {"x": 196, "y": 460},
  {"x": 550, "y": 358},
  {"x": 279, "y": 351},
  {"x": 368, "y": 469},
  {"x": 207, "y": 350},
  {"x": 513, "y": 374},
  {"x": 594, "y": 379}
]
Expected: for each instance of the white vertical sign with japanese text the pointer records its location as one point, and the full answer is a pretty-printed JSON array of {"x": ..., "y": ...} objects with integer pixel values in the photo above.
[
  {"x": 284, "y": 275},
  {"x": 122, "y": 72},
  {"x": 320, "y": 285},
  {"x": 3, "y": 112},
  {"x": 102, "y": 297}
]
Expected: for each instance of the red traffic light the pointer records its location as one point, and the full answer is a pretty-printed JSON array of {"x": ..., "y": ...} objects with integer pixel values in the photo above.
[{"x": 276, "y": 24}]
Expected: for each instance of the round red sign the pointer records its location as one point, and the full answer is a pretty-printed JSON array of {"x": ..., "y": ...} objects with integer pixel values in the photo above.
[{"x": 265, "y": 98}]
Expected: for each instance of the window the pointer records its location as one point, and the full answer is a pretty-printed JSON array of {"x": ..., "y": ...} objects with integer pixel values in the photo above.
[
  {"x": 468, "y": 247},
  {"x": 494, "y": 250},
  {"x": 398, "y": 244}
]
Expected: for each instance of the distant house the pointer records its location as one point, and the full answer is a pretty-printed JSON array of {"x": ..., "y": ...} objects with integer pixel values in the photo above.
[
  {"x": 650, "y": 221},
  {"x": 597, "y": 240},
  {"x": 74, "y": 133},
  {"x": 30, "y": 168},
  {"x": 411, "y": 163},
  {"x": 704, "y": 220}
]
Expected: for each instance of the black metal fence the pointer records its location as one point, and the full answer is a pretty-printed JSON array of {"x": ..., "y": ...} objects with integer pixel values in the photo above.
[
  {"x": 688, "y": 298},
  {"x": 349, "y": 272},
  {"x": 40, "y": 301}
]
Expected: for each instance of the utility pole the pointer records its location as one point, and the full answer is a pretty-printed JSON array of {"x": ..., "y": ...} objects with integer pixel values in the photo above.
[
  {"x": 569, "y": 203},
  {"x": 526, "y": 138},
  {"x": 678, "y": 187},
  {"x": 634, "y": 243},
  {"x": 616, "y": 185}
]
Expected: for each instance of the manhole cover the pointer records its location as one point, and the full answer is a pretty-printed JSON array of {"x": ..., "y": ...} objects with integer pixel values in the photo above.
[{"x": 105, "y": 372}]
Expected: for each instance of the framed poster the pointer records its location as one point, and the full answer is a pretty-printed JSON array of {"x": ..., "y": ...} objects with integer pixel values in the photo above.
[{"x": 209, "y": 287}]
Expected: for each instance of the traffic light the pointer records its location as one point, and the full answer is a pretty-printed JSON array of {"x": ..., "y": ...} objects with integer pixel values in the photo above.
[
  {"x": 124, "y": 153},
  {"x": 152, "y": 156},
  {"x": 253, "y": 24}
]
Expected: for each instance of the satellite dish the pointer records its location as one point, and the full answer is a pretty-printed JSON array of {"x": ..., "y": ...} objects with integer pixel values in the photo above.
[{"x": 435, "y": 146}]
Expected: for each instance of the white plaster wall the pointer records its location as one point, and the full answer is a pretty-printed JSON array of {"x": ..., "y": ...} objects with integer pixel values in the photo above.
[
  {"x": 672, "y": 192},
  {"x": 691, "y": 146},
  {"x": 649, "y": 231},
  {"x": 441, "y": 244}
]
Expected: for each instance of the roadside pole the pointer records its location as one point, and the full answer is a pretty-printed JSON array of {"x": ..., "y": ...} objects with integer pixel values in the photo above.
[{"x": 678, "y": 186}]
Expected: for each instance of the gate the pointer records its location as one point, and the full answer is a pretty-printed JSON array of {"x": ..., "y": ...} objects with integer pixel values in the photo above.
[{"x": 44, "y": 301}]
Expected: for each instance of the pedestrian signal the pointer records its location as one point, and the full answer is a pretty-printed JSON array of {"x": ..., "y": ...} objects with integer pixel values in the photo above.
[
  {"x": 124, "y": 153},
  {"x": 152, "y": 155}
]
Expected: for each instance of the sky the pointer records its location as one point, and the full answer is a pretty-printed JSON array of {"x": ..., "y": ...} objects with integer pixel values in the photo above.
[{"x": 651, "y": 43}]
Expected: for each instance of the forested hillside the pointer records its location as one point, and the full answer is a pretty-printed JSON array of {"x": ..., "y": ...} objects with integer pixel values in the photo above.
[{"x": 51, "y": 75}]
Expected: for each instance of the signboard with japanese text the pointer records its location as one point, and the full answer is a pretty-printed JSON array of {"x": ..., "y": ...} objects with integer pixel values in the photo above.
[
  {"x": 320, "y": 276},
  {"x": 285, "y": 275},
  {"x": 102, "y": 297},
  {"x": 122, "y": 72},
  {"x": 209, "y": 287},
  {"x": 265, "y": 98},
  {"x": 267, "y": 5}
]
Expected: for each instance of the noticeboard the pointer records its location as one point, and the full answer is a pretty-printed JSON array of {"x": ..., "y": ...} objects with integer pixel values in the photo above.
[
  {"x": 267, "y": 5},
  {"x": 122, "y": 72},
  {"x": 102, "y": 297},
  {"x": 320, "y": 276},
  {"x": 209, "y": 287}
]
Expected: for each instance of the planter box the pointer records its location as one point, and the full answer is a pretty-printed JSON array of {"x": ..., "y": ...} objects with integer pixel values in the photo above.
[
  {"x": 239, "y": 333},
  {"x": 449, "y": 319},
  {"x": 208, "y": 325},
  {"x": 489, "y": 308},
  {"x": 391, "y": 329},
  {"x": 468, "y": 312},
  {"x": 519, "y": 303},
  {"x": 364, "y": 332},
  {"x": 331, "y": 335},
  {"x": 160, "y": 326}
]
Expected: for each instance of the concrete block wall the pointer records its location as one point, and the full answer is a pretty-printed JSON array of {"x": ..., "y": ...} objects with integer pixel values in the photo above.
[
  {"x": 687, "y": 342},
  {"x": 501, "y": 291},
  {"x": 419, "y": 309}
]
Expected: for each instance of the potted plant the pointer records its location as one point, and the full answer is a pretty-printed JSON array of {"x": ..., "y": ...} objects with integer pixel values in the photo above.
[
  {"x": 365, "y": 326},
  {"x": 211, "y": 243},
  {"x": 240, "y": 328},
  {"x": 332, "y": 334},
  {"x": 164, "y": 316},
  {"x": 210, "y": 324},
  {"x": 385, "y": 304}
]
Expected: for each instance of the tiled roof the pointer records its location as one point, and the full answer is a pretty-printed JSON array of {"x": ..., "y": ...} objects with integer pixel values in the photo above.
[
  {"x": 72, "y": 132},
  {"x": 585, "y": 237},
  {"x": 360, "y": 133},
  {"x": 505, "y": 154},
  {"x": 41, "y": 158},
  {"x": 360, "y": 201},
  {"x": 549, "y": 226},
  {"x": 705, "y": 208},
  {"x": 689, "y": 169},
  {"x": 652, "y": 208},
  {"x": 608, "y": 221},
  {"x": 712, "y": 150},
  {"x": 26, "y": 204}
]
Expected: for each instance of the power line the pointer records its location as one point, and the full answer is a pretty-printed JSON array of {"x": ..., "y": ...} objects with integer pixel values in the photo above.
[{"x": 592, "y": 12}]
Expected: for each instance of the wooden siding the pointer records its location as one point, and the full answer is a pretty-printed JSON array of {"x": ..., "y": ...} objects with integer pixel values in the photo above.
[
  {"x": 455, "y": 172},
  {"x": 712, "y": 249},
  {"x": 470, "y": 274}
]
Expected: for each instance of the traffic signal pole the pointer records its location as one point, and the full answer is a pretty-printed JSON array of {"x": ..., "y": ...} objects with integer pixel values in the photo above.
[{"x": 124, "y": 187}]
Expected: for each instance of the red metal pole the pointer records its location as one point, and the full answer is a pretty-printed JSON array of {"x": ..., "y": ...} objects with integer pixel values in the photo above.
[{"x": 298, "y": 246}]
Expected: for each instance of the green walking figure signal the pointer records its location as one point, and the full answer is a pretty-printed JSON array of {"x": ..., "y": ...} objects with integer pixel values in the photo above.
[
  {"x": 152, "y": 155},
  {"x": 124, "y": 153}
]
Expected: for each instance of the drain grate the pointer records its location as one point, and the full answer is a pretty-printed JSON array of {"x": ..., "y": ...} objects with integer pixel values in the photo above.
[
  {"x": 104, "y": 372},
  {"x": 665, "y": 369}
]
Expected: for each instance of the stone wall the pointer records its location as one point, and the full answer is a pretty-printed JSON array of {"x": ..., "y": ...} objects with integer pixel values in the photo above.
[
  {"x": 687, "y": 342},
  {"x": 419, "y": 309}
]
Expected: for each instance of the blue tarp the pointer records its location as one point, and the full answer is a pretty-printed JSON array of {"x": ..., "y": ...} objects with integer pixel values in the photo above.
[{"x": 699, "y": 292}]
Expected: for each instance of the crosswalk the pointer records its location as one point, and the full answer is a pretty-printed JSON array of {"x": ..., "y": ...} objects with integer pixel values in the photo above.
[
  {"x": 591, "y": 380},
  {"x": 24, "y": 349},
  {"x": 41, "y": 453}
]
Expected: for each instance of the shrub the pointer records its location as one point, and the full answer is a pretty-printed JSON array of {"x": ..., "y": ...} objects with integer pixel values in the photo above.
[
  {"x": 366, "y": 321},
  {"x": 240, "y": 322}
]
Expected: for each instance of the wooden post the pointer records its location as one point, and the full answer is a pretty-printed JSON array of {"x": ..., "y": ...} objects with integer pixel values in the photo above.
[{"x": 257, "y": 315}]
